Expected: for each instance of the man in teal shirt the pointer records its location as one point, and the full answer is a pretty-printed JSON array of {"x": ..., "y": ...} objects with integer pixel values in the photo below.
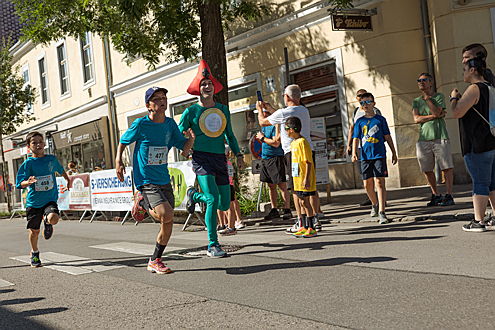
[{"x": 433, "y": 144}]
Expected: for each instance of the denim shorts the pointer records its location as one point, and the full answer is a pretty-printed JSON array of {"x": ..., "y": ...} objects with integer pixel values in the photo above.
[{"x": 481, "y": 167}]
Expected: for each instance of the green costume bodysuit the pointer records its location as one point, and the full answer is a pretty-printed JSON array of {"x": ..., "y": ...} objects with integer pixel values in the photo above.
[{"x": 209, "y": 160}]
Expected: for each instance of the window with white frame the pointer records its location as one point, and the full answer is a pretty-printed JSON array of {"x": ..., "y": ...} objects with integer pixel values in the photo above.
[
  {"x": 43, "y": 81},
  {"x": 27, "y": 82},
  {"x": 320, "y": 94},
  {"x": 87, "y": 57},
  {"x": 63, "y": 69}
]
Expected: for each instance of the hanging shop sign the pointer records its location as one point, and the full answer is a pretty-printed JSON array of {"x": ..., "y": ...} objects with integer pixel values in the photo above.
[{"x": 351, "y": 22}]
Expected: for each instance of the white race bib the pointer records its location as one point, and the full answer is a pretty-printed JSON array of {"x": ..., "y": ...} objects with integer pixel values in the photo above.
[
  {"x": 43, "y": 183},
  {"x": 157, "y": 155},
  {"x": 230, "y": 169},
  {"x": 295, "y": 169},
  {"x": 213, "y": 122}
]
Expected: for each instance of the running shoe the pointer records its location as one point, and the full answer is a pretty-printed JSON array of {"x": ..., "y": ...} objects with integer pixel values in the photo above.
[
  {"x": 474, "y": 226},
  {"x": 302, "y": 231},
  {"x": 138, "y": 212},
  {"x": 215, "y": 251},
  {"x": 310, "y": 233},
  {"x": 382, "y": 218},
  {"x": 287, "y": 214},
  {"x": 239, "y": 225},
  {"x": 190, "y": 204},
  {"x": 295, "y": 228},
  {"x": 48, "y": 229},
  {"x": 447, "y": 200},
  {"x": 374, "y": 211},
  {"x": 317, "y": 223},
  {"x": 228, "y": 231},
  {"x": 157, "y": 266},
  {"x": 35, "y": 259},
  {"x": 221, "y": 227},
  {"x": 435, "y": 200},
  {"x": 490, "y": 224},
  {"x": 273, "y": 214}
]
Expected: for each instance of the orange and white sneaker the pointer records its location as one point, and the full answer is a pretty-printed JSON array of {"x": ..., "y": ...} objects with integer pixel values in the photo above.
[
  {"x": 157, "y": 266},
  {"x": 300, "y": 232}
]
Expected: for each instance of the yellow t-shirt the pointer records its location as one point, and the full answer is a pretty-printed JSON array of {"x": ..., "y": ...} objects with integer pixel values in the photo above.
[{"x": 302, "y": 155}]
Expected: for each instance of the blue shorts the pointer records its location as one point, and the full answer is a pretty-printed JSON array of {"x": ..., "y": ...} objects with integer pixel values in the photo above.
[
  {"x": 481, "y": 167},
  {"x": 207, "y": 163},
  {"x": 374, "y": 168}
]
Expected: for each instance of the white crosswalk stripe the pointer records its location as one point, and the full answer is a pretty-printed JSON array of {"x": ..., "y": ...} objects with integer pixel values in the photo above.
[
  {"x": 69, "y": 264},
  {"x": 4, "y": 283},
  {"x": 132, "y": 248}
]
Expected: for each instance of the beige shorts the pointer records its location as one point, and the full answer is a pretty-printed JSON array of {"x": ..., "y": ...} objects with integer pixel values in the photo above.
[{"x": 434, "y": 150}]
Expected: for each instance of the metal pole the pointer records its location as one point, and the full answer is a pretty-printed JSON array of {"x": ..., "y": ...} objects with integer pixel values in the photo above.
[
  {"x": 287, "y": 73},
  {"x": 4, "y": 176}
]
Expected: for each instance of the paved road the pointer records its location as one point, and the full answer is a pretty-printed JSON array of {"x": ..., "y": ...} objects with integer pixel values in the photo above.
[{"x": 409, "y": 274}]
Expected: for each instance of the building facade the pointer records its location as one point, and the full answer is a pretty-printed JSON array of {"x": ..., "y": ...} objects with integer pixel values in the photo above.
[{"x": 89, "y": 95}]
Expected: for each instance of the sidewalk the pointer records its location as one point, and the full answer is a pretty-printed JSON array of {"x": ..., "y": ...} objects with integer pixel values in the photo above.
[{"x": 404, "y": 204}]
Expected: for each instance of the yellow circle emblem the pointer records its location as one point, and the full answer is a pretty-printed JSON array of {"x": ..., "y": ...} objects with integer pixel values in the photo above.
[{"x": 212, "y": 122}]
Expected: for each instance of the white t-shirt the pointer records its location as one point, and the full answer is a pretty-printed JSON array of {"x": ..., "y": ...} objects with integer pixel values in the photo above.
[
  {"x": 358, "y": 113},
  {"x": 281, "y": 115}
]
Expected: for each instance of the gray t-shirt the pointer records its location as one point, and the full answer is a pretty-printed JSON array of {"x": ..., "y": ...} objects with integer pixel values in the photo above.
[{"x": 281, "y": 115}]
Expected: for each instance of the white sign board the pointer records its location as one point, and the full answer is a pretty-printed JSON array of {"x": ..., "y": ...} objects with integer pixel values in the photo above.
[
  {"x": 108, "y": 193},
  {"x": 181, "y": 177},
  {"x": 63, "y": 197},
  {"x": 319, "y": 138}
]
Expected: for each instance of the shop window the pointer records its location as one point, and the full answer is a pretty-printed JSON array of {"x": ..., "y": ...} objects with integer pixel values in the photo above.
[
  {"x": 43, "y": 81},
  {"x": 63, "y": 69},
  {"x": 320, "y": 95},
  {"x": 87, "y": 57}
]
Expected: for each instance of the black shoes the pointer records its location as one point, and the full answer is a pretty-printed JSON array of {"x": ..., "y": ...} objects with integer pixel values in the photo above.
[
  {"x": 272, "y": 215},
  {"x": 474, "y": 226},
  {"x": 48, "y": 230},
  {"x": 435, "y": 200},
  {"x": 190, "y": 204}
]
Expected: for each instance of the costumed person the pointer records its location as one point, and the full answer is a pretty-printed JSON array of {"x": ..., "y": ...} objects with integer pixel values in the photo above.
[{"x": 210, "y": 121}]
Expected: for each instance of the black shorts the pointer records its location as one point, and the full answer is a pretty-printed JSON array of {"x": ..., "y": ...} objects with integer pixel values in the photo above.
[
  {"x": 207, "y": 163},
  {"x": 302, "y": 194},
  {"x": 288, "y": 168},
  {"x": 375, "y": 168},
  {"x": 154, "y": 195},
  {"x": 232, "y": 193},
  {"x": 35, "y": 215},
  {"x": 273, "y": 170}
]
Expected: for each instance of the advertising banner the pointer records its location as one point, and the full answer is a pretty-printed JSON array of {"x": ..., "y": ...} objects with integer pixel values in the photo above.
[
  {"x": 108, "y": 193},
  {"x": 79, "y": 195},
  {"x": 319, "y": 138},
  {"x": 63, "y": 196},
  {"x": 181, "y": 177}
]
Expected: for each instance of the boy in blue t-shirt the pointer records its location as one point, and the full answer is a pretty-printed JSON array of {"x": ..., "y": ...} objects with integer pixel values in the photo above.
[
  {"x": 37, "y": 173},
  {"x": 372, "y": 131},
  {"x": 154, "y": 135}
]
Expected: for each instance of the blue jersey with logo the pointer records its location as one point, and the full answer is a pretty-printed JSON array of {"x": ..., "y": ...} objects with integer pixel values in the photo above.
[
  {"x": 153, "y": 141},
  {"x": 371, "y": 132},
  {"x": 267, "y": 151},
  {"x": 45, "y": 189}
]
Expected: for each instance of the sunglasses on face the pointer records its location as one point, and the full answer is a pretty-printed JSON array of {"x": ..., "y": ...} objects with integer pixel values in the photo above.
[
  {"x": 420, "y": 80},
  {"x": 365, "y": 102}
]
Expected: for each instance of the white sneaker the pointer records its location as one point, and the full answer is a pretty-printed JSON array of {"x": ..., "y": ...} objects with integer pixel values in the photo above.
[{"x": 239, "y": 225}]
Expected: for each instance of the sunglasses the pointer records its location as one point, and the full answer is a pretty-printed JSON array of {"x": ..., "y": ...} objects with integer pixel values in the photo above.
[
  {"x": 366, "y": 102},
  {"x": 423, "y": 80}
]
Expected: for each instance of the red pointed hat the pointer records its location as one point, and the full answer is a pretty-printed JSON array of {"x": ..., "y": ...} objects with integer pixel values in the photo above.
[{"x": 204, "y": 72}]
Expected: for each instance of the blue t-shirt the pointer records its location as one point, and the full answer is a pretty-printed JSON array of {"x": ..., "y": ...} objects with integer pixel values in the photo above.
[
  {"x": 153, "y": 141},
  {"x": 371, "y": 132},
  {"x": 45, "y": 189},
  {"x": 267, "y": 151}
]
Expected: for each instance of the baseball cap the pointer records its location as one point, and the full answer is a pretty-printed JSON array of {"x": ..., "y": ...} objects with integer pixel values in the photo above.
[{"x": 151, "y": 91}]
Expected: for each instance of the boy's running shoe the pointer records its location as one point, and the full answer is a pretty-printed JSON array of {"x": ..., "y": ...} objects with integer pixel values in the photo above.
[
  {"x": 157, "y": 266},
  {"x": 215, "y": 251},
  {"x": 239, "y": 225},
  {"x": 474, "y": 226},
  {"x": 302, "y": 231},
  {"x": 374, "y": 211},
  {"x": 228, "y": 231},
  {"x": 35, "y": 259},
  {"x": 48, "y": 229},
  {"x": 310, "y": 233},
  {"x": 317, "y": 223},
  {"x": 190, "y": 204},
  {"x": 138, "y": 212},
  {"x": 287, "y": 214},
  {"x": 382, "y": 218}
]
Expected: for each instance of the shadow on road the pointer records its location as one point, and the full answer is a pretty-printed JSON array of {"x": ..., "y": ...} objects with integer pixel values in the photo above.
[
  {"x": 20, "y": 320},
  {"x": 20, "y": 301}
]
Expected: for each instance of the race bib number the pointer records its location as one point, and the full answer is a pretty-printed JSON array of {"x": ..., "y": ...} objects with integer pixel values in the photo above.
[
  {"x": 43, "y": 183},
  {"x": 230, "y": 169},
  {"x": 295, "y": 169},
  {"x": 157, "y": 155}
]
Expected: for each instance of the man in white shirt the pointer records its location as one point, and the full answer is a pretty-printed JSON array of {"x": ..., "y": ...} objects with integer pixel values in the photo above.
[{"x": 292, "y": 101}]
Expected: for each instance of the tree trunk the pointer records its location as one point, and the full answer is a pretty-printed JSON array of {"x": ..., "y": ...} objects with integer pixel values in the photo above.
[
  {"x": 4, "y": 176},
  {"x": 213, "y": 44}
]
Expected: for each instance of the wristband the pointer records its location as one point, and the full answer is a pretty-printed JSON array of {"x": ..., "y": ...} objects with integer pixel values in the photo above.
[
  {"x": 262, "y": 139},
  {"x": 454, "y": 98}
]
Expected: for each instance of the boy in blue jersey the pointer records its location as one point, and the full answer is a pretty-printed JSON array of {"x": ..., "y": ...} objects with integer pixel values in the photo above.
[
  {"x": 154, "y": 135},
  {"x": 372, "y": 131},
  {"x": 37, "y": 173}
]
